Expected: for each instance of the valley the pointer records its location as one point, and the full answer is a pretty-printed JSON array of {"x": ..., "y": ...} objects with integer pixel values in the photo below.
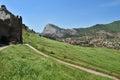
[{"x": 93, "y": 58}]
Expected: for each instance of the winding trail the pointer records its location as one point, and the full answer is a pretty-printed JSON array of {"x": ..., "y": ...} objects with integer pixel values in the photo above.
[{"x": 73, "y": 65}]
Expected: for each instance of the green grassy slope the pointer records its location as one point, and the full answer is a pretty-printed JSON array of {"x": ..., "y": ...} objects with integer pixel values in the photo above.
[
  {"x": 113, "y": 27},
  {"x": 100, "y": 59},
  {"x": 19, "y": 62}
]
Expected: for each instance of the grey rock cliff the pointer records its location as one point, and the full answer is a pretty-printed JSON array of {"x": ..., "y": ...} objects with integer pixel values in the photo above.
[{"x": 53, "y": 31}]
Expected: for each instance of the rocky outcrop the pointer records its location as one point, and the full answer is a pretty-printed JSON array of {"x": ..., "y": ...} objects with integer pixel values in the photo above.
[
  {"x": 107, "y": 35},
  {"x": 54, "y": 32},
  {"x": 10, "y": 27}
]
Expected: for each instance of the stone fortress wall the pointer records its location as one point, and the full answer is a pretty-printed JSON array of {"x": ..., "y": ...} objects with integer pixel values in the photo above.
[{"x": 10, "y": 27}]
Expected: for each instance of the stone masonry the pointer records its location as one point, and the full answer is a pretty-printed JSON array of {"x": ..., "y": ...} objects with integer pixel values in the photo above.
[{"x": 10, "y": 27}]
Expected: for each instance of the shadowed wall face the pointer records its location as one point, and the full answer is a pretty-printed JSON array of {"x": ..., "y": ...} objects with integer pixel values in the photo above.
[{"x": 10, "y": 27}]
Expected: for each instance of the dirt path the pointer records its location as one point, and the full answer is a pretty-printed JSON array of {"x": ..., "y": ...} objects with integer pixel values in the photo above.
[
  {"x": 73, "y": 65},
  {"x": 1, "y": 48}
]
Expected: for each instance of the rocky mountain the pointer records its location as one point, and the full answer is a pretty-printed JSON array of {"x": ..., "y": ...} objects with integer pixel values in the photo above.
[
  {"x": 107, "y": 35},
  {"x": 53, "y": 31}
]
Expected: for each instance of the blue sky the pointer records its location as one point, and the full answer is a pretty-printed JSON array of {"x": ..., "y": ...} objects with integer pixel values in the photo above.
[{"x": 64, "y": 13}]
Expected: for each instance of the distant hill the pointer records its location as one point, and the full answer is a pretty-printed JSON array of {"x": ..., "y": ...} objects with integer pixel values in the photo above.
[
  {"x": 52, "y": 30},
  {"x": 99, "y": 33},
  {"x": 113, "y": 27}
]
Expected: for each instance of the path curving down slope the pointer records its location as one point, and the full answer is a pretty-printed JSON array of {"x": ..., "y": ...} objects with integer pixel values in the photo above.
[{"x": 73, "y": 65}]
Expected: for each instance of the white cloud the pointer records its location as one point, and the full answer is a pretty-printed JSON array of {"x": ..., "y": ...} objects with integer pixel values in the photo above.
[{"x": 113, "y": 3}]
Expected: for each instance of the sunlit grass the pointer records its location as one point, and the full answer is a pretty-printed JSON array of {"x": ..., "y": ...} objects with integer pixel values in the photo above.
[
  {"x": 100, "y": 59},
  {"x": 19, "y": 62}
]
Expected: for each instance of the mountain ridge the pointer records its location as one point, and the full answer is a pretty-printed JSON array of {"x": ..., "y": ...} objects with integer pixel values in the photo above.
[
  {"x": 110, "y": 27},
  {"x": 97, "y": 35}
]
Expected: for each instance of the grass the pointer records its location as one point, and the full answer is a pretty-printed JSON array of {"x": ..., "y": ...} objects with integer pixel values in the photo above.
[
  {"x": 99, "y": 59},
  {"x": 19, "y": 62}
]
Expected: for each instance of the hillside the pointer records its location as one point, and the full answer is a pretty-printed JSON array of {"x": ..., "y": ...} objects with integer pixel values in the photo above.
[
  {"x": 18, "y": 62},
  {"x": 107, "y": 35},
  {"x": 113, "y": 27},
  {"x": 93, "y": 58},
  {"x": 25, "y": 64}
]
